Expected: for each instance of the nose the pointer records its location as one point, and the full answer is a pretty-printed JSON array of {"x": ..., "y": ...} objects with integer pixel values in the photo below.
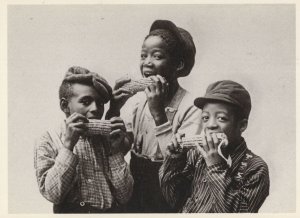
[
  {"x": 94, "y": 108},
  {"x": 211, "y": 124},
  {"x": 147, "y": 61}
]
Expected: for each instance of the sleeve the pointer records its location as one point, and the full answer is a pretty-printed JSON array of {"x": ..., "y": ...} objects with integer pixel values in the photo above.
[
  {"x": 55, "y": 170},
  {"x": 175, "y": 176},
  {"x": 186, "y": 121},
  {"x": 121, "y": 178},
  {"x": 248, "y": 197}
]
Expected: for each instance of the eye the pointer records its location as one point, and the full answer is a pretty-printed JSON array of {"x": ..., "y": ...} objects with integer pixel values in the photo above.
[
  {"x": 222, "y": 119},
  {"x": 157, "y": 56},
  {"x": 204, "y": 118},
  {"x": 86, "y": 101},
  {"x": 143, "y": 56}
]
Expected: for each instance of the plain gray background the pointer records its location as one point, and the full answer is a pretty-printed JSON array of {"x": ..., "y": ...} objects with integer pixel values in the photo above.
[{"x": 251, "y": 44}]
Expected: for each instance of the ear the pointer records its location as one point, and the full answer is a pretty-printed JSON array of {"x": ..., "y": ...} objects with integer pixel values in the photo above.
[
  {"x": 243, "y": 125},
  {"x": 64, "y": 106},
  {"x": 180, "y": 66}
]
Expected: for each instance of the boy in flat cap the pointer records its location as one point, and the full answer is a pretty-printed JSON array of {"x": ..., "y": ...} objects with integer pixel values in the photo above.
[
  {"x": 208, "y": 179},
  {"x": 168, "y": 52},
  {"x": 77, "y": 172}
]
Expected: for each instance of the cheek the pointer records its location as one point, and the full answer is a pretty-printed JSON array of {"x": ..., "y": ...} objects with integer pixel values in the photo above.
[{"x": 78, "y": 108}]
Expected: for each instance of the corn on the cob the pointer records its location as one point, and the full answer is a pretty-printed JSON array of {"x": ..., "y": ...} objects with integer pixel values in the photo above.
[
  {"x": 137, "y": 85},
  {"x": 189, "y": 141},
  {"x": 98, "y": 127}
]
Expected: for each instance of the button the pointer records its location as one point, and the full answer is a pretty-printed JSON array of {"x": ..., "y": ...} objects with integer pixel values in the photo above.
[
  {"x": 82, "y": 203},
  {"x": 204, "y": 180},
  {"x": 89, "y": 180},
  {"x": 85, "y": 157}
]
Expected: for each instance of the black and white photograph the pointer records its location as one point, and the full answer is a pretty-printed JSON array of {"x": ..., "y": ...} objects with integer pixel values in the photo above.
[{"x": 149, "y": 108}]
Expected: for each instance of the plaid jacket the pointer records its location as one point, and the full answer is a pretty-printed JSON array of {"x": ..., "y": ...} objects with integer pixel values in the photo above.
[{"x": 85, "y": 176}]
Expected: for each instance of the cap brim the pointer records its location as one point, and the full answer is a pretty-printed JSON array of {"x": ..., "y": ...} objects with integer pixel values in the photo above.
[{"x": 201, "y": 101}]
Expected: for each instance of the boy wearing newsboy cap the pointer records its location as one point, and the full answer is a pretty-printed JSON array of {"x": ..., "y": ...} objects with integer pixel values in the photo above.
[
  {"x": 213, "y": 179},
  {"x": 76, "y": 171}
]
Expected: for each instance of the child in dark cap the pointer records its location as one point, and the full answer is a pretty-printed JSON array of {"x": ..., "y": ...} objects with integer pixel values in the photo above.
[
  {"x": 205, "y": 180},
  {"x": 168, "y": 52},
  {"x": 77, "y": 172}
]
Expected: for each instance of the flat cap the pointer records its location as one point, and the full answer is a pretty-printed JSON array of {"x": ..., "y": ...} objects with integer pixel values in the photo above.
[
  {"x": 229, "y": 92},
  {"x": 80, "y": 74}
]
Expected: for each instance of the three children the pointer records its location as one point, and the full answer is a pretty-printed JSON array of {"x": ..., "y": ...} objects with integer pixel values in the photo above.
[{"x": 88, "y": 174}]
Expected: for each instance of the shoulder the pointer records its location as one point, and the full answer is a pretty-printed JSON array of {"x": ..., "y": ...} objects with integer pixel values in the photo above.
[
  {"x": 187, "y": 102},
  {"x": 49, "y": 139},
  {"x": 255, "y": 164}
]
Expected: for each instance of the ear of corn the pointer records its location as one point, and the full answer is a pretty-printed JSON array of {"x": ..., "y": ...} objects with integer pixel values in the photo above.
[
  {"x": 137, "y": 85},
  {"x": 190, "y": 140},
  {"x": 98, "y": 127}
]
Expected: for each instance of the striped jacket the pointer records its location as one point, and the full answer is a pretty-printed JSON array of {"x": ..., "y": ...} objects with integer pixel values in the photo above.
[{"x": 192, "y": 187}]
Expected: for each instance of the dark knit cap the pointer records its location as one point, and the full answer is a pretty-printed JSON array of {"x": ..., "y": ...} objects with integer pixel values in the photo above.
[
  {"x": 185, "y": 41},
  {"x": 80, "y": 74},
  {"x": 227, "y": 91}
]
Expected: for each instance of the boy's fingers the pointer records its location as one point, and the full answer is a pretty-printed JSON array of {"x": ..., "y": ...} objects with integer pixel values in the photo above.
[
  {"x": 121, "y": 91},
  {"x": 152, "y": 88},
  {"x": 123, "y": 96},
  {"x": 116, "y": 120},
  {"x": 121, "y": 81},
  {"x": 215, "y": 140},
  {"x": 76, "y": 117},
  {"x": 161, "y": 79},
  {"x": 205, "y": 144},
  {"x": 147, "y": 91},
  {"x": 201, "y": 149},
  {"x": 179, "y": 137},
  {"x": 171, "y": 148},
  {"x": 119, "y": 126},
  {"x": 116, "y": 133}
]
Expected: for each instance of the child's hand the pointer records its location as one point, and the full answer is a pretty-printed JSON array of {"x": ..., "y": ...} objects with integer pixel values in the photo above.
[
  {"x": 75, "y": 127},
  {"x": 209, "y": 149},
  {"x": 119, "y": 97},
  {"x": 156, "y": 94},
  {"x": 174, "y": 146},
  {"x": 117, "y": 135}
]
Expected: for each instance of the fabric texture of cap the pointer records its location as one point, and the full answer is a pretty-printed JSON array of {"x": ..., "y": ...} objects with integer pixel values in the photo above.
[
  {"x": 80, "y": 74},
  {"x": 227, "y": 91},
  {"x": 186, "y": 41}
]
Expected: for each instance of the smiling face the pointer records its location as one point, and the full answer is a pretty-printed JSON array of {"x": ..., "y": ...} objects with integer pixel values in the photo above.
[
  {"x": 84, "y": 100},
  {"x": 220, "y": 117},
  {"x": 155, "y": 59}
]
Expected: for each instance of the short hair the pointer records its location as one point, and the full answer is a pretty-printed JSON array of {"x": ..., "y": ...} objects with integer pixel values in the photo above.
[
  {"x": 172, "y": 44},
  {"x": 66, "y": 88}
]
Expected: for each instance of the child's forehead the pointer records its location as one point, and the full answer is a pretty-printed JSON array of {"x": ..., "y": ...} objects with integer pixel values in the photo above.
[
  {"x": 154, "y": 40},
  {"x": 218, "y": 107},
  {"x": 79, "y": 89}
]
